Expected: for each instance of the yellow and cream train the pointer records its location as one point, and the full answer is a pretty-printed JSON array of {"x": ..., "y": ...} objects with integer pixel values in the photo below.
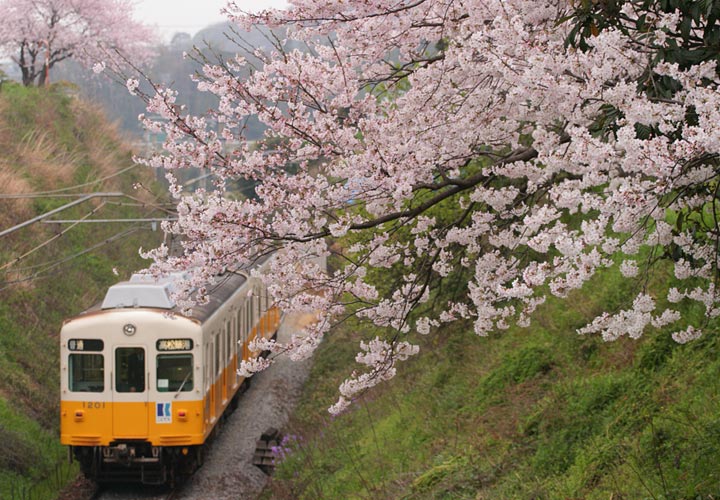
[{"x": 143, "y": 387}]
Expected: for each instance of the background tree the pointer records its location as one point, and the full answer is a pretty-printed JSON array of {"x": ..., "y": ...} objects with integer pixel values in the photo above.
[
  {"x": 37, "y": 34},
  {"x": 508, "y": 149}
]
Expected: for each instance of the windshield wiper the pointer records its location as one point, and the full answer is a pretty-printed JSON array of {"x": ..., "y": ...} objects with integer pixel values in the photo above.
[{"x": 183, "y": 384}]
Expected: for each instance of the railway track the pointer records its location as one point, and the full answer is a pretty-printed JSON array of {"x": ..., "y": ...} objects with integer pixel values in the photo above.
[{"x": 135, "y": 492}]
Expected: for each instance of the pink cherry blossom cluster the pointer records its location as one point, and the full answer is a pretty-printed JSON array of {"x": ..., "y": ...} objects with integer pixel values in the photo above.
[
  {"x": 381, "y": 357},
  {"x": 447, "y": 142}
]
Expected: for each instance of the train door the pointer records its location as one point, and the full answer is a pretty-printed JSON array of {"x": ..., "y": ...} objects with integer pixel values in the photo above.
[
  {"x": 224, "y": 333},
  {"x": 130, "y": 395},
  {"x": 209, "y": 382},
  {"x": 250, "y": 324},
  {"x": 257, "y": 312},
  {"x": 242, "y": 354},
  {"x": 235, "y": 348},
  {"x": 217, "y": 373}
]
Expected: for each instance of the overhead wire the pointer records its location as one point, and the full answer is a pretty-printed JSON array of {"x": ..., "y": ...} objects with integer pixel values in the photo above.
[
  {"x": 64, "y": 192},
  {"x": 69, "y": 188},
  {"x": 150, "y": 205},
  {"x": 4, "y": 268},
  {"x": 49, "y": 266},
  {"x": 50, "y": 240}
]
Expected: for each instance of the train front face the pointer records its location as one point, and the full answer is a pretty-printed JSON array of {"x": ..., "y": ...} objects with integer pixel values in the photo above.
[{"x": 131, "y": 400}]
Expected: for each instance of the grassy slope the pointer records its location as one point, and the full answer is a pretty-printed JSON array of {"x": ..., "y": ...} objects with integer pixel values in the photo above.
[
  {"x": 49, "y": 141},
  {"x": 530, "y": 413}
]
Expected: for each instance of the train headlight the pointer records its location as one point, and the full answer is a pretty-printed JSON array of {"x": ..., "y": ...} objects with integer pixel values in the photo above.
[{"x": 129, "y": 329}]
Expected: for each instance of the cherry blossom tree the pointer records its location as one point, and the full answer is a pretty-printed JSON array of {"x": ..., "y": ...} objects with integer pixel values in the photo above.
[
  {"x": 490, "y": 151},
  {"x": 37, "y": 34}
]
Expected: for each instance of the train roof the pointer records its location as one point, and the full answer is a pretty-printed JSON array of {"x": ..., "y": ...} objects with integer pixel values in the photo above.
[
  {"x": 227, "y": 284},
  {"x": 143, "y": 291},
  {"x": 156, "y": 296}
]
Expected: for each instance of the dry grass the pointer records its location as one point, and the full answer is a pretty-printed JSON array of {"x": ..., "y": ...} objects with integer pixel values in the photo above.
[
  {"x": 13, "y": 209},
  {"x": 40, "y": 153},
  {"x": 45, "y": 159},
  {"x": 109, "y": 152},
  {"x": 101, "y": 138}
]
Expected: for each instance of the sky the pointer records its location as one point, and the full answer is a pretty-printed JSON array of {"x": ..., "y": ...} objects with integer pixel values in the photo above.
[{"x": 190, "y": 16}]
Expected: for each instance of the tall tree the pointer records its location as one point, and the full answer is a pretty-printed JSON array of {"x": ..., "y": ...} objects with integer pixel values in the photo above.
[
  {"x": 37, "y": 34},
  {"x": 501, "y": 150}
]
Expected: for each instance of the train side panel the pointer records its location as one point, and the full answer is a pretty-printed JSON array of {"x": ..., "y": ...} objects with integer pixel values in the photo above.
[{"x": 247, "y": 315}]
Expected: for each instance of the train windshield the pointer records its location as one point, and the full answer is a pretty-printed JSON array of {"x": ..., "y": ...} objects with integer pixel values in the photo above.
[
  {"x": 174, "y": 372},
  {"x": 130, "y": 369},
  {"x": 87, "y": 373}
]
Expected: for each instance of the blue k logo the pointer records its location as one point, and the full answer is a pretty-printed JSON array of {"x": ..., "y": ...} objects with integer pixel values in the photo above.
[{"x": 163, "y": 414}]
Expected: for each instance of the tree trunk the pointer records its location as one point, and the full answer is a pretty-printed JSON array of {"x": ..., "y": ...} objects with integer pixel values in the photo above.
[
  {"x": 28, "y": 77},
  {"x": 42, "y": 77},
  {"x": 26, "y": 62}
]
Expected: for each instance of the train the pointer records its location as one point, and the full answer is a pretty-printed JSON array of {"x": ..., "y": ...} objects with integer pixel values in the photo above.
[{"x": 143, "y": 387}]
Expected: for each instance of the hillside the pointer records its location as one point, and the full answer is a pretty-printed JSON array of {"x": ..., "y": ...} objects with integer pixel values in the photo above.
[
  {"x": 55, "y": 146},
  {"x": 540, "y": 413}
]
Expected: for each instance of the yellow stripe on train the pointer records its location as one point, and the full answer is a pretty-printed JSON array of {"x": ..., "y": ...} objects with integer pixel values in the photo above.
[{"x": 91, "y": 423}]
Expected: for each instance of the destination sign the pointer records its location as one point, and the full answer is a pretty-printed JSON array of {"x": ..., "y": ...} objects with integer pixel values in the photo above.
[
  {"x": 174, "y": 345},
  {"x": 88, "y": 345}
]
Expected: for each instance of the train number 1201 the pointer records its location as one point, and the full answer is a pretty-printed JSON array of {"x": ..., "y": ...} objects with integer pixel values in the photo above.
[{"x": 93, "y": 405}]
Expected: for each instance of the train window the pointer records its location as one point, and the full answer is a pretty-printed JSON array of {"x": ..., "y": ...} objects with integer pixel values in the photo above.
[
  {"x": 233, "y": 336},
  {"x": 87, "y": 372},
  {"x": 249, "y": 315},
  {"x": 217, "y": 354},
  {"x": 174, "y": 372},
  {"x": 234, "y": 346},
  {"x": 228, "y": 349},
  {"x": 208, "y": 366},
  {"x": 130, "y": 369},
  {"x": 234, "y": 339},
  {"x": 238, "y": 321},
  {"x": 258, "y": 298},
  {"x": 243, "y": 322}
]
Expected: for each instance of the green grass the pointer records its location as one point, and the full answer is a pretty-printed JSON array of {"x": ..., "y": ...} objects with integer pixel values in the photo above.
[
  {"x": 530, "y": 413},
  {"x": 32, "y": 462}
]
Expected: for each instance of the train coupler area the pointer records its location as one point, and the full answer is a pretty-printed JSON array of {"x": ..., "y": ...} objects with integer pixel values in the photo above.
[
  {"x": 137, "y": 462},
  {"x": 131, "y": 453}
]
